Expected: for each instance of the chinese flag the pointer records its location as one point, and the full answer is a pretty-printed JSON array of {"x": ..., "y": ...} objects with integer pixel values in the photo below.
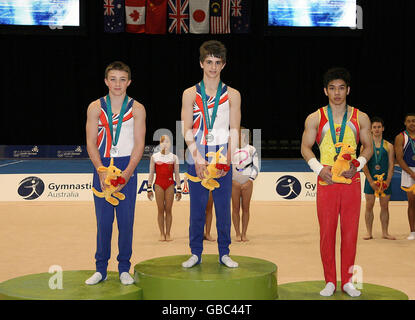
[
  {"x": 156, "y": 19},
  {"x": 135, "y": 15}
]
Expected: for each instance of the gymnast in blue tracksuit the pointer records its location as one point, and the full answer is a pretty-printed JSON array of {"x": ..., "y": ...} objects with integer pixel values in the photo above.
[
  {"x": 211, "y": 119},
  {"x": 115, "y": 129}
]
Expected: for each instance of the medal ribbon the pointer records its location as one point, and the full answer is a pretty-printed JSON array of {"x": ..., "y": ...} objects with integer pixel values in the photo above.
[
  {"x": 411, "y": 141},
  {"x": 210, "y": 121},
  {"x": 333, "y": 131},
  {"x": 120, "y": 118},
  {"x": 380, "y": 151}
]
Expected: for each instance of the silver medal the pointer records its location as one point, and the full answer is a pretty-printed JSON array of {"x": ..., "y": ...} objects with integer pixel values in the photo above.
[
  {"x": 209, "y": 137},
  {"x": 114, "y": 151}
]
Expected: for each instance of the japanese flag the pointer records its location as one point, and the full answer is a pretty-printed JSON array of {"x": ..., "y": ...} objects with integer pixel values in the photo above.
[
  {"x": 199, "y": 16},
  {"x": 135, "y": 15}
]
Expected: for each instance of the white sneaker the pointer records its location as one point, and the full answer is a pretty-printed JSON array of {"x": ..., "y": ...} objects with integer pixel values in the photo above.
[
  {"x": 411, "y": 236},
  {"x": 126, "y": 278},
  {"x": 96, "y": 278},
  {"x": 192, "y": 261},
  {"x": 227, "y": 261},
  {"x": 351, "y": 290},
  {"x": 328, "y": 290}
]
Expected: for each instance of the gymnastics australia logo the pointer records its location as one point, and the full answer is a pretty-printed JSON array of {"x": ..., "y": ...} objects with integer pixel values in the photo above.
[
  {"x": 288, "y": 187},
  {"x": 31, "y": 188}
]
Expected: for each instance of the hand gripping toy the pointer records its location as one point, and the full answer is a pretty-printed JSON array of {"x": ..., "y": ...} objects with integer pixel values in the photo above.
[
  {"x": 113, "y": 180},
  {"x": 380, "y": 184},
  {"x": 217, "y": 163},
  {"x": 342, "y": 163}
]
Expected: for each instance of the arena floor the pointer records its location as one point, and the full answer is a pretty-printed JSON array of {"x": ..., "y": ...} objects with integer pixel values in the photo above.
[{"x": 38, "y": 235}]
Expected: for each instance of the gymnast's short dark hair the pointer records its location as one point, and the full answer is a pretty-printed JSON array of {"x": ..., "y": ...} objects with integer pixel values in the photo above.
[
  {"x": 335, "y": 74},
  {"x": 377, "y": 119}
]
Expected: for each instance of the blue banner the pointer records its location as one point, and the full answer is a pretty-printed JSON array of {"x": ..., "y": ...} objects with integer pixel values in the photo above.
[{"x": 43, "y": 151}]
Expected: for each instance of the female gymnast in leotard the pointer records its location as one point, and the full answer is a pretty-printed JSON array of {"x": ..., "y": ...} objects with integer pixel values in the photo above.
[
  {"x": 244, "y": 172},
  {"x": 163, "y": 163}
]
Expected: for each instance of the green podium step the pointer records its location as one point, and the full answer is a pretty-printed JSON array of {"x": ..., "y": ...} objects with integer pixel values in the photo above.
[
  {"x": 164, "y": 279},
  {"x": 310, "y": 290},
  {"x": 72, "y": 287}
]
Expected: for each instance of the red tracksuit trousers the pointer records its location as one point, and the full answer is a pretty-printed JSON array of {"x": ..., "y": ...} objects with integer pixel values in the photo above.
[{"x": 332, "y": 201}]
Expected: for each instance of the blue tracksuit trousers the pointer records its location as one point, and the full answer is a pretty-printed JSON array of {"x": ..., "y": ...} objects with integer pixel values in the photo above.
[
  {"x": 125, "y": 220},
  {"x": 199, "y": 197}
]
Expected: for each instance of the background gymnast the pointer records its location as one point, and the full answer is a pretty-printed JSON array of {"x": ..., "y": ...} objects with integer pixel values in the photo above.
[
  {"x": 244, "y": 172},
  {"x": 163, "y": 163}
]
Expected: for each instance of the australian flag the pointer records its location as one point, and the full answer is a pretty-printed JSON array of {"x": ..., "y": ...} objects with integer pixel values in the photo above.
[
  {"x": 240, "y": 16},
  {"x": 178, "y": 15},
  {"x": 114, "y": 16}
]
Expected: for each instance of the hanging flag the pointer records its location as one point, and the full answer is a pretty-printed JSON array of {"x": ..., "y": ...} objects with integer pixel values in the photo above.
[
  {"x": 220, "y": 16},
  {"x": 135, "y": 16},
  {"x": 156, "y": 16},
  {"x": 114, "y": 16},
  {"x": 240, "y": 16},
  {"x": 178, "y": 16},
  {"x": 215, "y": 8},
  {"x": 199, "y": 16}
]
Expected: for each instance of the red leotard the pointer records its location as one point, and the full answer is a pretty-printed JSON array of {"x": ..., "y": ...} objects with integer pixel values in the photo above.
[{"x": 164, "y": 166}]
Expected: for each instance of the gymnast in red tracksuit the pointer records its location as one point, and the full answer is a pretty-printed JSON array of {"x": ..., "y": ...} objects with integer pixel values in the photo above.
[
  {"x": 337, "y": 122},
  {"x": 163, "y": 163}
]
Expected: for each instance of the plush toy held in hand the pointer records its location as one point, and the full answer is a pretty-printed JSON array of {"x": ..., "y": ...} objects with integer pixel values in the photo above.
[
  {"x": 411, "y": 188},
  {"x": 381, "y": 185},
  {"x": 113, "y": 180},
  {"x": 217, "y": 163},
  {"x": 342, "y": 163}
]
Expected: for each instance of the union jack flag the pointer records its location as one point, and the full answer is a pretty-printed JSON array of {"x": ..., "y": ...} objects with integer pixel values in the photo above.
[
  {"x": 236, "y": 8},
  {"x": 114, "y": 16},
  {"x": 109, "y": 7},
  {"x": 241, "y": 16},
  {"x": 178, "y": 16},
  {"x": 199, "y": 120},
  {"x": 104, "y": 140}
]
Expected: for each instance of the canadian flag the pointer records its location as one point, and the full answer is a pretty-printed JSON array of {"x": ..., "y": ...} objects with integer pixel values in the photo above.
[
  {"x": 199, "y": 16},
  {"x": 135, "y": 15}
]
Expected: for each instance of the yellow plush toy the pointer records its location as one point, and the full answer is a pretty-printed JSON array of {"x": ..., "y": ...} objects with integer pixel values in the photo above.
[
  {"x": 411, "y": 188},
  {"x": 342, "y": 164},
  {"x": 217, "y": 163},
  {"x": 380, "y": 184},
  {"x": 113, "y": 180}
]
